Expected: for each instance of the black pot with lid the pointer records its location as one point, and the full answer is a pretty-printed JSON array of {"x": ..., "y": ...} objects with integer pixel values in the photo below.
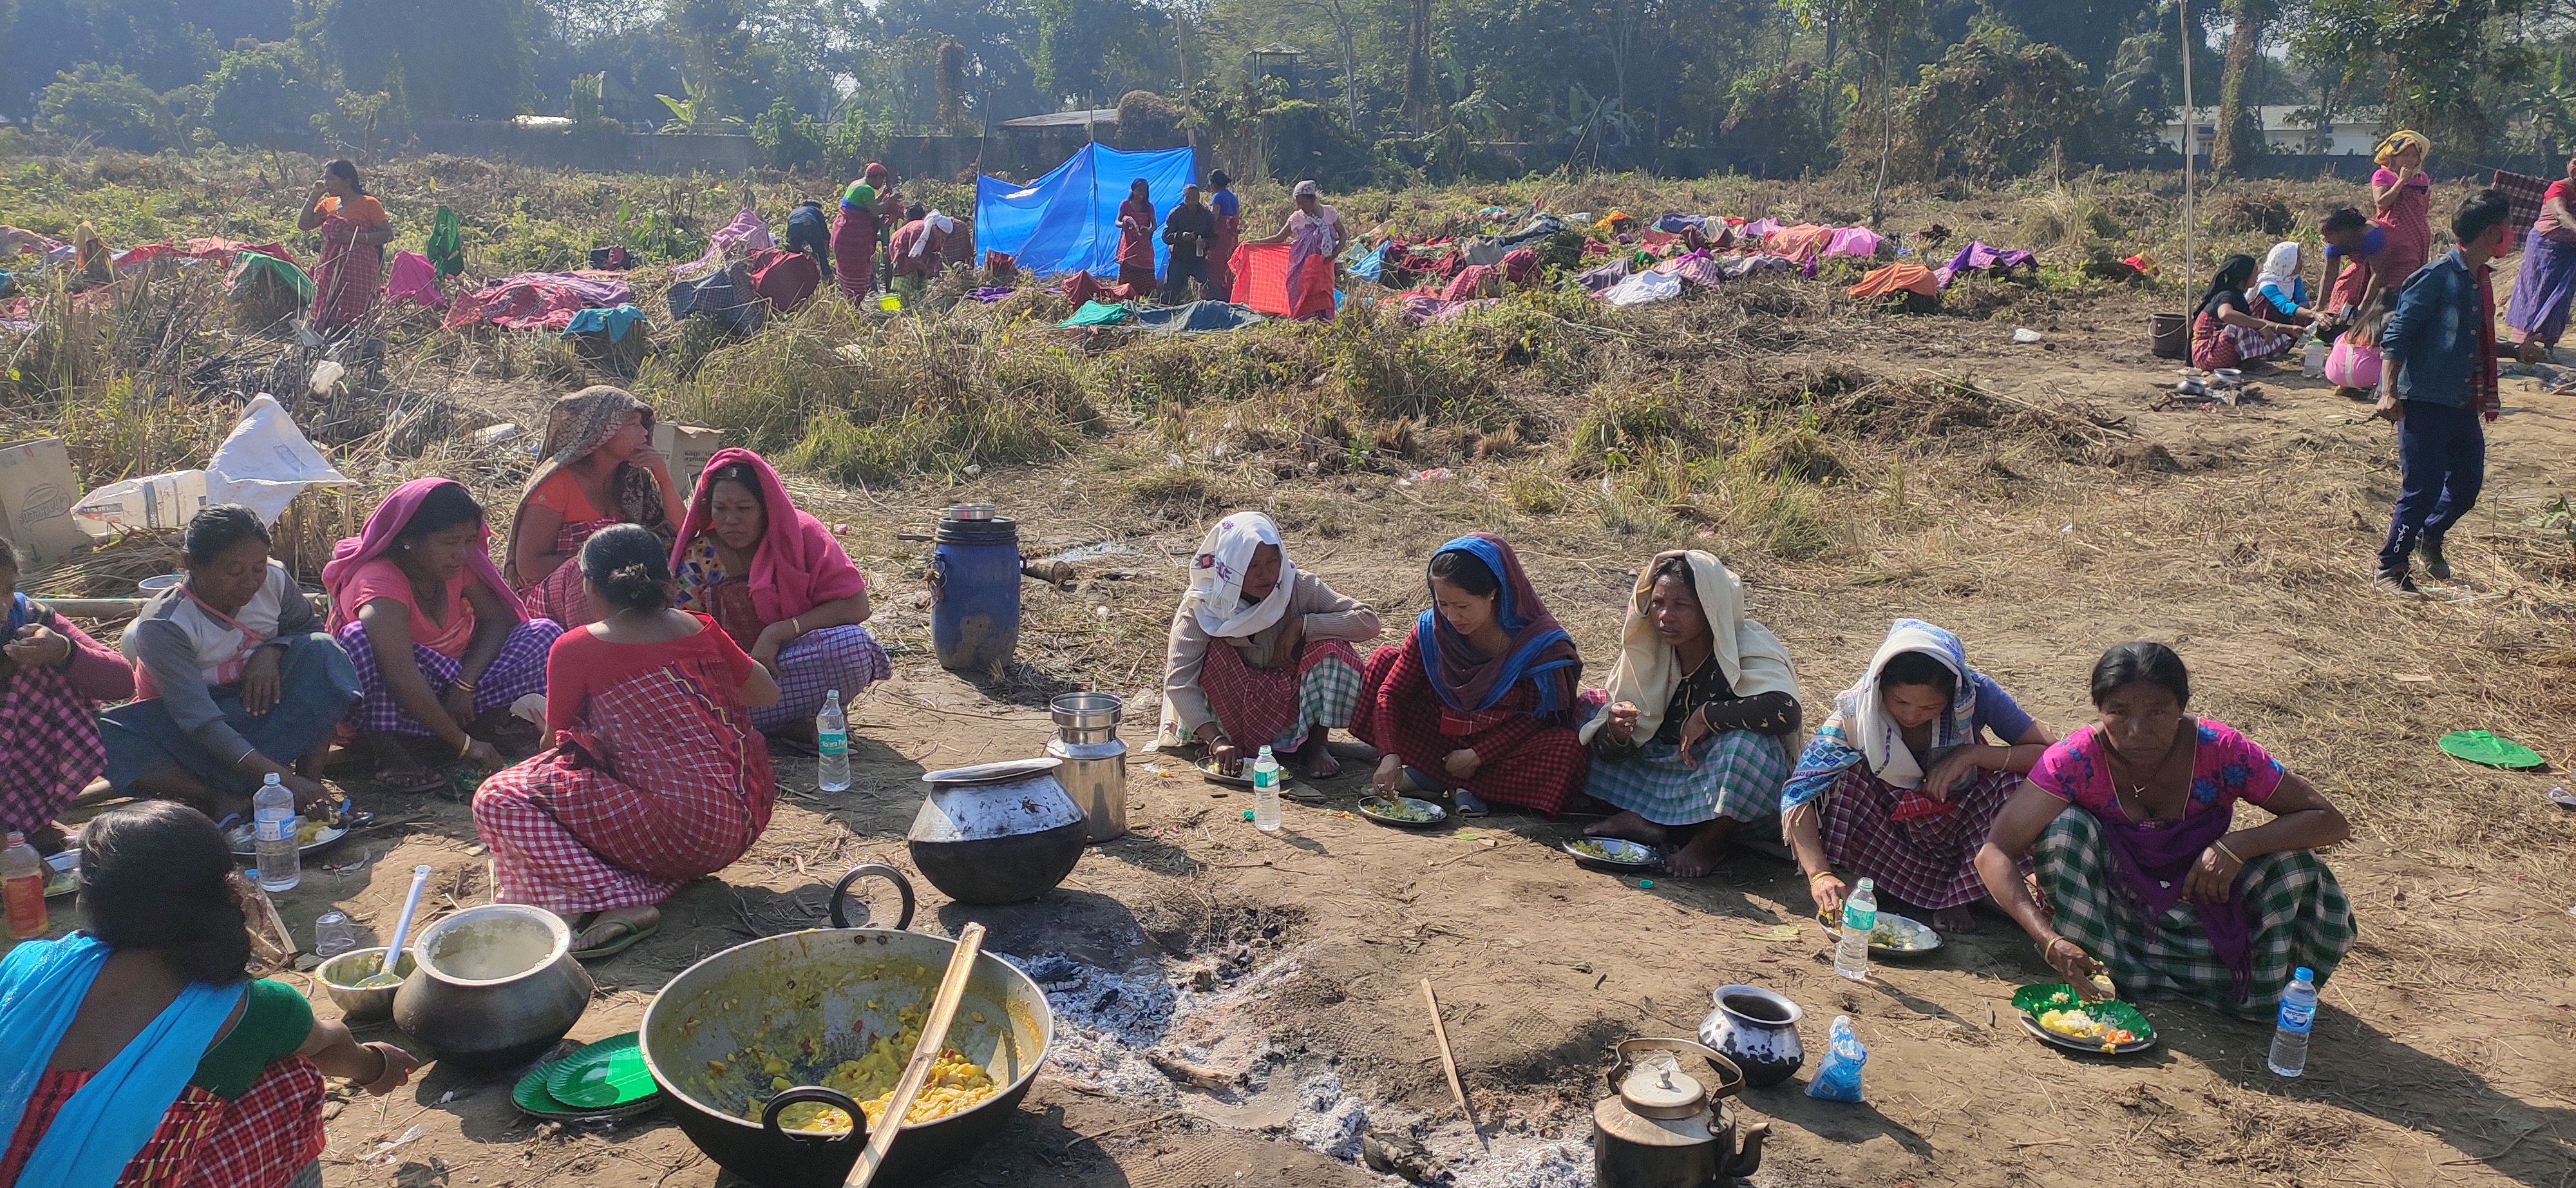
[
  {"x": 998, "y": 832},
  {"x": 1664, "y": 1127}
]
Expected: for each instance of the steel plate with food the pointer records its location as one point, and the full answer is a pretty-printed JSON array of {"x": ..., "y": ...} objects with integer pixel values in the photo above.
[
  {"x": 62, "y": 873},
  {"x": 1892, "y": 936},
  {"x": 1238, "y": 779},
  {"x": 1404, "y": 811},
  {"x": 1611, "y": 851},
  {"x": 311, "y": 833},
  {"x": 2052, "y": 1013}
]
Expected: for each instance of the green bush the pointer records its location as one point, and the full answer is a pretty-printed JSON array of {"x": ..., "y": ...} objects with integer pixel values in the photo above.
[{"x": 106, "y": 104}]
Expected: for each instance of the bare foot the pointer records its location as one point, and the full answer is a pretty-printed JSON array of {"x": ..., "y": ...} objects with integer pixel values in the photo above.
[
  {"x": 1317, "y": 758},
  {"x": 1628, "y": 827},
  {"x": 1954, "y": 920},
  {"x": 1700, "y": 857}
]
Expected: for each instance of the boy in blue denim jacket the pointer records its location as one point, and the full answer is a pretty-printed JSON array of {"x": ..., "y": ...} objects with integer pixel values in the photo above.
[{"x": 2438, "y": 382}]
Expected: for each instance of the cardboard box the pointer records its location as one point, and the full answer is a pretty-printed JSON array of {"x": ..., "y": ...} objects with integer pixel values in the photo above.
[
  {"x": 687, "y": 447},
  {"x": 37, "y": 491}
]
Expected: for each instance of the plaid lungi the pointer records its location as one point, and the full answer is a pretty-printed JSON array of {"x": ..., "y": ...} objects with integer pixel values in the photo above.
[
  {"x": 559, "y": 595},
  {"x": 348, "y": 278},
  {"x": 2526, "y": 193},
  {"x": 53, "y": 749},
  {"x": 1739, "y": 777},
  {"x": 2297, "y": 911},
  {"x": 266, "y": 1139},
  {"x": 1274, "y": 705},
  {"x": 844, "y": 658},
  {"x": 1929, "y": 862},
  {"x": 518, "y": 670},
  {"x": 663, "y": 781}
]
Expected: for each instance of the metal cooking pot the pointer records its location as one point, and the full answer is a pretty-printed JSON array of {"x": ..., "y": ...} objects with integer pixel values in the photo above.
[
  {"x": 494, "y": 986},
  {"x": 1661, "y": 1127},
  {"x": 841, "y": 988},
  {"x": 998, "y": 832}
]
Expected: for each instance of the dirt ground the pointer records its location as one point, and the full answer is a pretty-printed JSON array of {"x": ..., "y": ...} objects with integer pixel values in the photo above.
[{"x": 1293, "y": 962}]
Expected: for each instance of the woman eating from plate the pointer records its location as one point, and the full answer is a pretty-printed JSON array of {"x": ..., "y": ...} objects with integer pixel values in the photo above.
[
  {"x": 656, "y": 775},
  {"x": 2131, "y": 826},
  {"x": 1480, "y": 697},
  {"x": 237, "y": 680},
  {"x": 139, "y": 1053},
  {"x": 777, "y": 581},
  {"x": 1260, "y": 653},
  {"x": 1701, "y": 702},
  {"x": 600, "y": 469},
  {"x": 441, "y": 646},
  {"x": 1899, "y": 785}
]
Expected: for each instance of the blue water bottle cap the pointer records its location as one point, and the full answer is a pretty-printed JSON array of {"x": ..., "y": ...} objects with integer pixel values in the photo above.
[{"x": 2306, "y": 975}]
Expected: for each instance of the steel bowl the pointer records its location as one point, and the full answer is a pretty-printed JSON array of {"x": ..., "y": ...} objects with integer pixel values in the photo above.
[
  {"x": 840, "y": 988},
  {"x": 362, "y": 1004}
]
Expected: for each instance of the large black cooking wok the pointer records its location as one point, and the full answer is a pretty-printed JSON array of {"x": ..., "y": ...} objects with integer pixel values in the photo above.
[{"x": 843, "y": 987}]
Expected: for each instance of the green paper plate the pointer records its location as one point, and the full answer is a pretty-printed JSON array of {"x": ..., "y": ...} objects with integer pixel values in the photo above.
[
  {"x": 603, "y": 1075},
  {"x": 2478, "y": 746},
  {"x": 2057, "y": 996}
]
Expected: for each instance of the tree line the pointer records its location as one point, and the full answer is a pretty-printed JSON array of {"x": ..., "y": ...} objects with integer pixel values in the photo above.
[{"x": 1349, "y": 89}]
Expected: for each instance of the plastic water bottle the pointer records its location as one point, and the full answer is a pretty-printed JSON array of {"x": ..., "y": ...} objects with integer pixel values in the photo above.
[
  {"x": 272, "y": 811},
  {"x": 2298, "y": 1014},
  {"x": 1265, "y": 792},
  {"x": 22, "y": 887},
  {"x": 333, "y": 934},
  {"x": 1860, "y": 916},
  {"x": 2312, "y": 360},
  {"x": 832, "y": 746}
]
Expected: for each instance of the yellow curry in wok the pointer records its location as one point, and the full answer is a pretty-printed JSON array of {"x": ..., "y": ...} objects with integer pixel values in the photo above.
[{"x": 955, "y": 1084}]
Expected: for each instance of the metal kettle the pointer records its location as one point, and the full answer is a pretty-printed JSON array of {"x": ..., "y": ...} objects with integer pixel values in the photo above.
[{"x": 1661, "y": 1127}]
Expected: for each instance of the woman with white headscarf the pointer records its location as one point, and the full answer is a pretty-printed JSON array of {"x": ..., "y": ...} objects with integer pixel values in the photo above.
[
  {"x": 1898, "y": 785},
  {"x": 1692, "y": 669},
  {"x": 1260, "y": 652},
  {"x": 2280, "y": 293},
  {"x": 918, "y": 248}
]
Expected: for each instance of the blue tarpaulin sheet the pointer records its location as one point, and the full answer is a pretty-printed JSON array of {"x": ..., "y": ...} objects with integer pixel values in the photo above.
[{"x": 1067, "y": 221}]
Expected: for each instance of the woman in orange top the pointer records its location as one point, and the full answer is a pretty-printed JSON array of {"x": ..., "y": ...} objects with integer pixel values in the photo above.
[
  {"x": 355, "y": 231},
  {"x": 600, "y": 469}
]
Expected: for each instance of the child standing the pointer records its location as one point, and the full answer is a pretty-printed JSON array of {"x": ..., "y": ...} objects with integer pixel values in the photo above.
[{"x": 2438, "y": 381}]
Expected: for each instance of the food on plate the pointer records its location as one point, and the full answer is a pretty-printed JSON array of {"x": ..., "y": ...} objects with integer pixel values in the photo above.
[
  {"x": 1591, "y": 848},
  {"x": 2076, "y": 1023},
  {"x": 1401, "y": 810}
]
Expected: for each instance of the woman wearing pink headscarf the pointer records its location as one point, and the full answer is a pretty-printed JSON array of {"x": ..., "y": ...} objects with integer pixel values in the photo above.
[
  {"x": 775, "y": 579},
  {"x": 441, "y": 645}
]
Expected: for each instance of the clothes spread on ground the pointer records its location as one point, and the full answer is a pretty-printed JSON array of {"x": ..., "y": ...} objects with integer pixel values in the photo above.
[
  {"x": 1900, "y": 277},
  {"x": 1095, "y": 313},
  {"x": 744, "y": 235},
  {"x": 1194, "y": 318},
  {"x": 1978, "y": 257},
  {"x": 726, "y": 295},
  {"x": 252, "y": 270},
  {"x": 414, "y": 279},
  {"x": 537, "y": 300},
  {"x": 614, "y": 322},
  {"x": 1644, "y": 288}
]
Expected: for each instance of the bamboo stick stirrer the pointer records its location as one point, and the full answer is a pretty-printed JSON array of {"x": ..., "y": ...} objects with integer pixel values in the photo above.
[
  {"x": 1449, "y": 1064},
  {"x": 934, "y": 1035}
]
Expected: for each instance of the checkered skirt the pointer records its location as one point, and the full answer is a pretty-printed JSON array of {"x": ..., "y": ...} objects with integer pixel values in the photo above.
[
  {"x": 53, "y": 746},
  {"x": 664, "y": 781},
  {"x": 518, "y": 670},
  {"x": 1274, "y": 705},
  {"x": 1739, "y": 777},
  {"x": 263, "y": 1140},
  {"x": 2298, "y": 913},
  {"x": 1928, "y": 862},
  {"x": 845, "y": 658}
]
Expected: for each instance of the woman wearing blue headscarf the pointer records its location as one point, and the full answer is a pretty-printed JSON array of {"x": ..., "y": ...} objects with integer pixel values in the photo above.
[
  {"x": 1480, "y": 697},
  {"x": 1899, "y": 784}
]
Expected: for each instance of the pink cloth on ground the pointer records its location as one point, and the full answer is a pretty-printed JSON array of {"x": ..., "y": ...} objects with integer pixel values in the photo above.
[{"x": 414, "y": 279}]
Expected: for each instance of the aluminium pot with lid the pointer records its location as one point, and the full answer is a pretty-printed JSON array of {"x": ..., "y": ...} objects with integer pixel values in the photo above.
[{"x": 997, "y": 832}]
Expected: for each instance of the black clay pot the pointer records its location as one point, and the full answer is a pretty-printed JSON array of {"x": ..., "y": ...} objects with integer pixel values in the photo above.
[{"x": 999, "y": 833}]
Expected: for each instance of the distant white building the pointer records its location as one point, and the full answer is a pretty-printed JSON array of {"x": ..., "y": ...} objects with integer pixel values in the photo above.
[{"x": 2353, "y": 133}]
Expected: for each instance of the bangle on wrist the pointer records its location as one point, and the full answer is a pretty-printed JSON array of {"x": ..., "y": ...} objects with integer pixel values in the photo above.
[
  {"x": 461, "y": 683},
  {"x": 2221, "y": 846}
]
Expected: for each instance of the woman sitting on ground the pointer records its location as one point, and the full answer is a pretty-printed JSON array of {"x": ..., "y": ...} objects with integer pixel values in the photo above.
[
  {"x": 656, "y": 775},
  {"x": 53, "y": 677},
  {"x": 1899, "y": 786},
  {"x": 1285, "y": 673},
  {"x": 600, "y": 469},
  {"x": 1692, "y": 669},
  {"x": 2147, "y": 877},
  {"x": 1480, "y": 697},
  {"x": 139, "y": 1053},
  {"x": 441, "y": 646},
  {"x": 780, "y": 586},
  {"x": 2226, "y": 332},
  {"x": 2280, "y": 293},
  {"x": 237, "y": 680},
  {"x": 2353, "y": 366}
]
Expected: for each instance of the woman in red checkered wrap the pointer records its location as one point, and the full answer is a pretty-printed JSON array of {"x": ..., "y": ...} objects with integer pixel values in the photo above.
[
  {"x": 657, "y": 775},
  {"x": 139, "y": 1053},
  {"x": 1260, "y": 653}
]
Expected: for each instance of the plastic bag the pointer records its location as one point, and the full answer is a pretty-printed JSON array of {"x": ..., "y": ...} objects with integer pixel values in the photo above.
[{"x": 1838, "y": 1078}]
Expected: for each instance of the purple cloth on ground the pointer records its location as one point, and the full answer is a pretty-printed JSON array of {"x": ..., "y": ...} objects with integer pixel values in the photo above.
[
  {"x": 1423, "y": 310},
  {"x": 1697, "y": 268},
  {"x": 1600, "y": 279},
  {"x": 991, "y": 293},
  {"x": 1673, "y": 224},
  {"x": 745, "y": 231},
  {"x": 1852, "y": 241},
  {"x": 1758, "y": 228},
  {"x": 1978, "y": 257},
  {"x": 2156, "y": 862}
]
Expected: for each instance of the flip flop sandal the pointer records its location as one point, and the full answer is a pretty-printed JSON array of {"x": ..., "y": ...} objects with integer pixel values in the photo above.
[
  {"x": 618, "y": 943},
  {"x": 414, "y": 781},
  {"x": 1469, "y": 804}
]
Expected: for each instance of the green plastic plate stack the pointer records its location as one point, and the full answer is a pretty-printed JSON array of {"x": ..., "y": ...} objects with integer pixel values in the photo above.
[{"x": 602, "y": 1080}]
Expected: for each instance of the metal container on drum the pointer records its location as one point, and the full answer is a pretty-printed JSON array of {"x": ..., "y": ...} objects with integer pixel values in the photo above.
[
  {"x": 846, "y": 985},
  {"x": 1095, "y": 761},
  {"x": 975, "y": 589},
  {"x": 997, "y": 832}
]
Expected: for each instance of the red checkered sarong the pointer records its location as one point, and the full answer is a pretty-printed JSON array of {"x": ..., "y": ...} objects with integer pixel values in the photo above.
[
  {"x": 53, "y": 748},
  {"x": 1929, "y": 862},
  {"x": 1263, "y": 705},
  {"x": 1519, "y": 759},
  {"x": 558, "y": 595},
  {"x": 350, "y": 275},
  {"x": 664, "y": 781},
  {"x": 260, "y": 1141}
]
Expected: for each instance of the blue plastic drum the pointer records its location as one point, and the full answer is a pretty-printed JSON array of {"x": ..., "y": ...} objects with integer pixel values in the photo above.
[{"x": 975, "y": 590}]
